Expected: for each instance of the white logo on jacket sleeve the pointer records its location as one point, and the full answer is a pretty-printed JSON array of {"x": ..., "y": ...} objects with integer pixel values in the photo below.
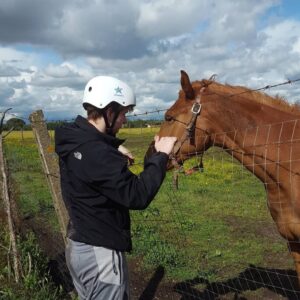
[{"x": 78, "y": 155}]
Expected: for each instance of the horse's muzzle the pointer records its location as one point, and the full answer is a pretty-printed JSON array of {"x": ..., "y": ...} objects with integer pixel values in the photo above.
[{"x": 151, "y": 150}]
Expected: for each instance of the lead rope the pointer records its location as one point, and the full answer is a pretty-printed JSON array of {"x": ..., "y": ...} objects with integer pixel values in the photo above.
[
  {"x": 177, "y": 168},
  {"x": 198, "y": 167}
]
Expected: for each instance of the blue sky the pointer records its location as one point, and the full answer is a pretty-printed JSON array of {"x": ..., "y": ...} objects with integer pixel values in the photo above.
[
  {"x": 49, "y": 50},
  {"x": 289, "y": 9}
]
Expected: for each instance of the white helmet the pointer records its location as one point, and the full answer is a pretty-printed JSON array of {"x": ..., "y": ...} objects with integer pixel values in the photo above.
[{"x": 103, "y": 90}]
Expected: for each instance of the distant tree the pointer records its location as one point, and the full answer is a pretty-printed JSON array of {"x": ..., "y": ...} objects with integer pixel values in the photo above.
[
  {"x": 52, "y": 125},
  {"x": 16, "y": 123}
]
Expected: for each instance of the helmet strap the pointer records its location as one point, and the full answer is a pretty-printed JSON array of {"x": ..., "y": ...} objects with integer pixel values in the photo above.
[
  {"x": 110, "y": 126},
  {"x": 107, "y": 125}
]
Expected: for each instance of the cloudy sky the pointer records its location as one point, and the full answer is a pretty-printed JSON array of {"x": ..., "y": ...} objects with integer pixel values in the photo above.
[{"x": 50, "y": 49}]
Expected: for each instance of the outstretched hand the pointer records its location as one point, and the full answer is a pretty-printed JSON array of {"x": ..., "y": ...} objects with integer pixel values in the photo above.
[{"x": 164, "y": 144}]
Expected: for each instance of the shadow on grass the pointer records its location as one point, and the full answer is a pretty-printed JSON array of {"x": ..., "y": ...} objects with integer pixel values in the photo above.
[
  {"x": 152, "y": 286},
  {"x": 60, "y": 274},
  {"x": 280, "y": 282}
]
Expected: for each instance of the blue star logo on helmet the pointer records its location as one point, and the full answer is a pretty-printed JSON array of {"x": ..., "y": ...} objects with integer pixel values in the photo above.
[{"x": 118, "y": 91}]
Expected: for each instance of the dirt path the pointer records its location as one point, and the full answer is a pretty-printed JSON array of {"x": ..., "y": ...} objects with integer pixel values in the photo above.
[{"x": 253, "y": 283}]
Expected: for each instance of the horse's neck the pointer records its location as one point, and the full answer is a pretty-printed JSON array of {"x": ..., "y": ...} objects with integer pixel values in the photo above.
[
  {"x": 250, "y": 132},
  {"x": 243, "y": 123}
]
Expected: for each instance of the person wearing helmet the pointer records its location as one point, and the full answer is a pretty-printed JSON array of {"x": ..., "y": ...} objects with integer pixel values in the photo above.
[{"x": 99, "y": 189}]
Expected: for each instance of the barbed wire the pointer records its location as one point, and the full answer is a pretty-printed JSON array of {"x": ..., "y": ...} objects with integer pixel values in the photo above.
[
  {"x": 266, "y": 87},
  {"x": 146, "y": 113},
  {"x": 283, "y": 83},
  {"x": 133, "y": 115},
  {"x": 269, "y": 86},
  {"x": 46, "y": 120}
]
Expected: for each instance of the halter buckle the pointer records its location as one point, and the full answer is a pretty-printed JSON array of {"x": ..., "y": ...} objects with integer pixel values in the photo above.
[{"x": 196, "y": 108}]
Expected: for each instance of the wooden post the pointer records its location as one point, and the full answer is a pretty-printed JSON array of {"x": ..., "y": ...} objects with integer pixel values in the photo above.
[
  {"x": 10, "y": 223},
  {"x": 51, "y": 168}
]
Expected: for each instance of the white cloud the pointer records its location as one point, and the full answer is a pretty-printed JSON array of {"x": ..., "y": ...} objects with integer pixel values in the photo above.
[
  {"x": 145, "y": 43},
  {"x": 283, "y": 35},
  {"x": 11, "y": 55},
  {"x": 169, "y": 18}
]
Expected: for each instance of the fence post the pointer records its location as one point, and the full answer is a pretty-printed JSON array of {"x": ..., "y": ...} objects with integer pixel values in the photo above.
[
  {"x": 10, "y": 222},
  {"x": 50, "y": 165}
]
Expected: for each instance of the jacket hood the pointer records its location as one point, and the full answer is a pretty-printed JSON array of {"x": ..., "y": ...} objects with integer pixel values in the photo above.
[{"x": 70, "y": 136}]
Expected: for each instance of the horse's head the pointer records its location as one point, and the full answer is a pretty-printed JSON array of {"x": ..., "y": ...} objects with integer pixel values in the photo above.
[{"x": 186, "y": 120}]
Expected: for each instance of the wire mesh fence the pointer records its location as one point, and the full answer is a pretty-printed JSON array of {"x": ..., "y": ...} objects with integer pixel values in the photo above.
[
  {"x": 35, "y": 211},
  {"x": 212, "y": 238}
]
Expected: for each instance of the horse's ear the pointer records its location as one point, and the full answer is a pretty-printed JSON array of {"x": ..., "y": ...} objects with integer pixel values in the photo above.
[{"x": 186, "y": 85}]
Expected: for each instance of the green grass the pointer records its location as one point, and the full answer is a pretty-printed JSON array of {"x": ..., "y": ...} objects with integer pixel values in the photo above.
[
  {"x": 30, "y": 185},
  {"x": 35, "y": 282},
  {"x": 29, "y": 189},
  {"x": 210, "y": 224},
  {"x": 213, "y": 226}
]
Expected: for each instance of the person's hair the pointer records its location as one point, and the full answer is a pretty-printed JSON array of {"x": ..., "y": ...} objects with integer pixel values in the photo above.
[{"x": 93, "y": 113}]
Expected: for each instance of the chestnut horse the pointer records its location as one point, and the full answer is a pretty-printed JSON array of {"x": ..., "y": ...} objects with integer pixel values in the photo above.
[{"x": 260, "y": 131}]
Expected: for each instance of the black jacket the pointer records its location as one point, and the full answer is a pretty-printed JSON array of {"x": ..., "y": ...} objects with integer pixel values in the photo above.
[{"x": 97, "y": 186}]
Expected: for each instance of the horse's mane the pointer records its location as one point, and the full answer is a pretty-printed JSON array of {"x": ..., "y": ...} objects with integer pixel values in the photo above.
[{"x": 260, "y": 97}]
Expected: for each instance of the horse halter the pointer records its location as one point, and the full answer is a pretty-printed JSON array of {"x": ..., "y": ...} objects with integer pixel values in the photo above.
[{"x": 188, "y": 135}]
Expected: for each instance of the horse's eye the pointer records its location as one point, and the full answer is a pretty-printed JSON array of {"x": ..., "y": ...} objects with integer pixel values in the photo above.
[{"x": 168, "y": 118}]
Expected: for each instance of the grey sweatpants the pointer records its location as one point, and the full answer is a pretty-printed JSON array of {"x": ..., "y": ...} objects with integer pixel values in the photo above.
[{"x": 97, "y": 272}]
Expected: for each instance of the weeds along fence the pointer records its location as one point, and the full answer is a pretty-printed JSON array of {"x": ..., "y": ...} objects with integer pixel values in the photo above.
[
  {"x": 211, "y": 238},
  {"x": 36, "y": 215},
  {"x": 6, "y": 206}
]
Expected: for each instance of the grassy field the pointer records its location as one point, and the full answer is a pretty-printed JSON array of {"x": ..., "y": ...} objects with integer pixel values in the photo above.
[{"x": 213, "y": 230}]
